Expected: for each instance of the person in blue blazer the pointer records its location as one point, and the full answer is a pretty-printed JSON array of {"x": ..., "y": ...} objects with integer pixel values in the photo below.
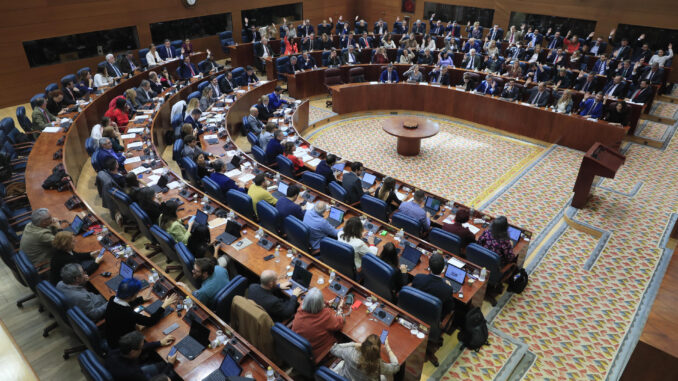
[
  {"x": 187, "y": 69},
  {"x": 389, "y": 75},
  {"x": 487, "y": 86},
  {"x": 592, "y": 107}
]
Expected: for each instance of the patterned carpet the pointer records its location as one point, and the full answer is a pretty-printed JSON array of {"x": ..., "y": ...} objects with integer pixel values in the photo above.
[{"x": 459, "y": 163}]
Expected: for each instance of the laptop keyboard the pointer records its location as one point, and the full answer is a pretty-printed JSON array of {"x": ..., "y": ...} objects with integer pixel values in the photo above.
[
  {"x": 215, "y": 376},
  {"x": 190, "y": 347}
]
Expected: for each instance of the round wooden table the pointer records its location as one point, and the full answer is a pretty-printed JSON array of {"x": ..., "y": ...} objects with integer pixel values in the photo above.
[{"x": 409, "y": 140}]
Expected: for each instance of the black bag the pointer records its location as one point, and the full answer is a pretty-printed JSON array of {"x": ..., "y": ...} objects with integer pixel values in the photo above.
[
  {"x": 57, "y": 180},
  {"x": 5, "y": 166},
  {"x": 474, "y": 332},
  {"x": 518, "y": 281}
]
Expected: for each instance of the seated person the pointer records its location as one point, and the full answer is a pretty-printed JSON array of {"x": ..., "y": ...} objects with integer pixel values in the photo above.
[
  {"x": 318, "y": 225},
  {"x": 225, "y": 183},
  {"x": 120, "y": 316},
  {"x": 137, "y": 360},
  {"x": 119, "y": 112},
  {"x": 71, "y": 93},
  {"x": 496, "y": 238},
  {"x": 562, "y": 79},
  {"x": 415, "y": 209},
  {"x": 386, "y": 193},
  {"x": 212, "y": 279},
  {"x": 55, "y": 102},
  {"x": 258, "y": 192},
  {"x": 435, "y": 284},
  {"x": 307, "y": 62},
  {"x": 363, "y": 361},
  {"x": 199, "y": 243},
  {"x": 487, "y": 86},
  {"x": 62, "y": 254},
  {"x": 148, "y": 202},
  {"x": 510, "y": 91},
  {"x": 466, "y": 82},
  {"x": 187, "y": 70},
  {"x": 539, "y": 95},
  {"x": 85, "y": 83},
  {"x": 353, "y": 235},
  {"x": 112, "y": 133},
  {"x": 352, "y": 183},
  {"x": 41, "y": 117},
  {"x": 267, "y": 134},
  {"x": 170, "y": 222},
  {"x": 564, "y": 104},
  {"x": 269, "y": 295},
  {"x": 289, "y": 149},
  {"x": 642, "y": 93},
  {"x": 227, "y": 84},
  {"x": 206, "y": 99},
  {"x": 458, "y": 228},
  {"x": 144, "y": 92},
  {"x": 274, "y": 148},
  {"x": 193, "y": 118},
  {"x": 389, "y": 254},
  {"x": 317, "y": 323},
  {"x": 591, "y": 107},
  {"x": 440, "y": 75},
  {"x": 334, "y": 59},
  {"x": 618, "y": 114},
  {"x": 275, "y": 100},
  {"x": 287, "y": 206},
  {"x": 324, "y": 168},
  {"x": 250, "y": 76},
  {"x": 37, "y": 237},
  {"x": 471, "y": 60},
  {"x": 106, "y": 150},
  {"x": 72, "y": 285},
  {"x": 127, "y": 64},
  {"x": 263, "y": 109},
  {"x": 292, "y": 66},
  {"x": 427, "y": 58},
  {"x": 389, "y": 75},
  {"x": 191, "y": 149},
  {"x": 204, "y": 169},
  {"x": 413, "y": 74},
  {"x": 254, "y": 125}
]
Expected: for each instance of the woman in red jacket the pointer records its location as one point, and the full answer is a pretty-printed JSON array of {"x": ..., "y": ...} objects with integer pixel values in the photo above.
[
  {"x": 289, "y": 153},
  {"x": 118, "y": 114},
  {"x": 317, "y": 323}
]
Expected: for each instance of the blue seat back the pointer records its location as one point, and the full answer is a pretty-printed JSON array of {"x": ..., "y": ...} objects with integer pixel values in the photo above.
[
  {"x": 213, "y": 189},
  {"x": 225, "y": 35},
  {"x": 83, "y": 70},
  {"x": 241, "y": 203},
  {"x": 142, "y": 56},
  {"x": 23, "y": 120},
  {"x": 34, "y": 99},
  {"x": 269, "y": 217},
  {"x": 486, "y": 258},
  {"x": 51, "y": 87},
  {"x": 315, "y": 181},
  {"x": 6, "y": 124},
  {"x": 239, "y": 76},
  {"x": 255, "y": 47},
  {"x": 195, "y": 94},
  {"x": 326, "y": 57},
  {"x": 224, "y": 298},
  {"x": 445, "y": 240},
  {"x": 375, "y": 207},
  {"x": 294, "y": 349},
  {"x": 177, "y": 120},
  {"x": 143, "y": 221},
  {"x": 298, "y": 233},
  {"x": 7, "y": 252},
  {"x": 259, "y": 155},
  {"x": 337, "y": 191},
  {"x": 91, "y": 146},
  {"x": 122, "y": 203},
  {"x": 423, "y": 306},
  {"x": 186, "y": 259},
  {"x": 176, "y": 44},
  {"x": 253, "y": 139},
  {"x": 244, "y": 129},
  {"x": 338, "y": 255},
  {"x": 26, "y": 270},
  {"x": 378, "y": 276},
  {"x": 165, "y": 241},
  {"x": 92, "y": 368},
  {"x": 177, "y": 149},
  {"x": 220, "y": 78},
  {"x": 87, "y": 332},
  {"x": 54, "y": 301},
  {"x": 96, "y": 163},
  {"x": 203, "y": 84},
  {"x": 324, "y": 373},
  {"x": 191, "y": 169},
  {"x": 280, "y": 65},
  {"x": 285, "y": 166},
  {"x": 406, "y": 223},
  {"x": 68, "y": 78}
]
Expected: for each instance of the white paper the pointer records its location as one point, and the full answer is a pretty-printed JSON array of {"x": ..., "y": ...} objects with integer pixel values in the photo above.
[
  {"x": 309, "y": 206},
  {"x": 314, "y": 162},
  {"x": 64, "y": 120},
  {"x": 51, "y": 129},
  {"x": 137, "y": 130},
  {"x": 470, "y": 227},
  {"x": 401, "y": 196},
  {"x": 449, "y": 219},
  {"x": 455, "y": 262},
  {"x": 246, "y": 178},
  {"x": 211, "y": 137},
  {"x": 140, "y": 117},
  {"x": 135, "y": 145},
  {"x": 140, "y": 169},
  {"x": 132, "y": 160},
  {"x": 423, "y": 83},
  {"x": 159, "y": 171},
  {"x": 374, "y": 83},
  {"x": 215, "y": 223},
  {"x": 229, "y": 100},
  {"x": 306, "y": 158},
  {"x": 128, "y": 136},
  {"x": 233, "y": 173},
  {"x": 174, "y": 185}
]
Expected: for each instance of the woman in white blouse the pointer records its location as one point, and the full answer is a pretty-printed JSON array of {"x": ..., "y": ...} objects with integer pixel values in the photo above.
[
  {"x": 387, "y": 42},
  {"x": 353, "y": 234},
  {"x": 101, "y": 78},
  {"x": 428, "y": 43},
  {"x": 406, "y": 57},
  {"x": 152, "y": 57}
]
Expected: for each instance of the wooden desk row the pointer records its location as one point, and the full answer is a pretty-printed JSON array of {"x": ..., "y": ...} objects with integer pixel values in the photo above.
[{"x": 40, "y": 166}]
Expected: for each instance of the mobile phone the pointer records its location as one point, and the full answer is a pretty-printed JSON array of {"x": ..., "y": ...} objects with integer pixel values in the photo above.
[
  {"x": 139, "y": 309},
  {"x": 172, "y": 351},
  {"x": 269, "y": 257},
  {"x": 335, "y": 302},
  {"x": 384, "y": 333},
  {"x": 170, "y": 329},
  {"x": 101, "y": 252}
]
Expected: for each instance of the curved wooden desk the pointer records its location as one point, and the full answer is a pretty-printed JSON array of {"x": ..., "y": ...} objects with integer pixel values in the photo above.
[{"x": 409, "y": 140}]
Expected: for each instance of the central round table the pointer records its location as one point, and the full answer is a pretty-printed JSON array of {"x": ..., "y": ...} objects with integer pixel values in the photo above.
[{"x": 409, "y": 140}]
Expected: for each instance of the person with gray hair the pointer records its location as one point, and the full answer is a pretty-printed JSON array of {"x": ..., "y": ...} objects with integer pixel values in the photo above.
[
  {"x": 144, "y": 92},
  {"x": 318, "y": 225},
  {"x": 254, "y": 125},
  {"x": 317, "y": 323},
  {"x": 36, "y": 240},
  {"x": 271, "y": 298},
  {"x": 72, "y": 285},
  {"x": 112, "y": 67}
]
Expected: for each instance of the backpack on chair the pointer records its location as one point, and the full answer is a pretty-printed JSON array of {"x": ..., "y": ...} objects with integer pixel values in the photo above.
[{"x": 474, "y": 333}]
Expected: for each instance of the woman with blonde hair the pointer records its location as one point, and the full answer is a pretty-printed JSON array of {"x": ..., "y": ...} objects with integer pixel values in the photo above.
[
  {"x": 564, "y": 104},
  {"x": 62, "y": 254},
  {"x": 362, "y": 362},
  {"x": 131, "y": 96},
  {"x": 205, "y": 99},
  {"x": 192, "y": 105}
]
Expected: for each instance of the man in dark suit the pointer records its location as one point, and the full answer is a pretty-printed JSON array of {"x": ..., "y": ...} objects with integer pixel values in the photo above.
[
  {"x": 271, "y": 298},
  {"x": 227, "y": 83},
  {"x": 137, "y": 359},
  {"x": 263, "y": 52},
  {"x": 291, "y": 67},
  {"x": 225, "y": 183},
  {"x": 304, "y": 29},
  {"x": 274, "y": 148},
  {"x": 516, "y": 53},
  {"x": 250, "y": 76},
  {"x": 309, "y": 43},
  {"x": 389, "y": 75},
  {"x": 111, "y": 67},
  {"x": 166, "y": 51},
  {"x": 324, "y": 168},
  {"x": 380, "y": 28},
  {"x": 360, "y": 27},
  {"x": 556, "y": 58},
  {"x": 144, "y": 92},
  {"x": 352, "y": 183},
  {"x": 440, "y": 75},
  {"x": 642, "y": 51},
  {"x": 437, "y": 27},
  {"x": 187, "y": 69},
  {"x": 596, "y": 47},
  {"x": 510, "y": 91},
  {"x": 453, "y": 29},
  {"x": 586, "y": 82},
  {"x": 471, "y": 60},
  {"x": 622, "y": 50},
  {"x": 536, "y": 73},
  {"x": 350, "y": 57},
  {"x": 615, "y": 88},
  {"x": 192, "y": 119},
  {"x": 70, "y": 93},
  {"x": 625, "y": 70},
  {"x": 602, "y": 66},
  {"x": 251, "y": 33},
  {"x": 364, "y": 41},
  {"x": 325, "y": 28},
  {"x": 399, "y": 27},
  {"x": 641, "y": 93},
  {"x": 539, "y": 96},
  {"x": 592, "y": 107},
  {"x": 534, "y": 38},
  {"x": 555, "y": 40},
  {"x": 496, "y": 33},
  {"x": 334, "y": 60},
  {"x": 262, "y": 108},
  {"x": 307, "y": 62},
  {"x": 418, "y": 27},
  {"x": 653, "y": 74},
  {"x": 127, "y": 64},
  {"x": 562, "y": 79}
]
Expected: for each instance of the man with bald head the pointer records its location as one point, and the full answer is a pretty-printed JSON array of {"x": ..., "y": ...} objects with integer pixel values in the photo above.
[
  {"x": 269, "y": 295},
  {"x": 318, "y": 225}
]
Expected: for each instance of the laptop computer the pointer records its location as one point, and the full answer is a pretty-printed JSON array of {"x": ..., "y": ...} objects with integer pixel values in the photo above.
[
  {"x": 231, "y": 233},
  {"x": 336, "y": 216},
  {"x": 410, "y": 257},
  {"x": 300, "y": 278},
  {"x": 456, "y": 277},
  {"x": 126, "y": 271},
  {"x": 432, "y": 205},
  {"x": 161, "y": 185},
  {"x": 368, "y": 180},
  {"x": 235, "y": 163},
  {"x": 76, "y": 226},
  {"x": 514, "y": 235},
  {"x": 229, "y": 367},
  {"x": 281, "y": 191},
  {"x": 339, "y": 167},
  {"x": 197, "y": 340},
  {"x": 199, "y": 219}
]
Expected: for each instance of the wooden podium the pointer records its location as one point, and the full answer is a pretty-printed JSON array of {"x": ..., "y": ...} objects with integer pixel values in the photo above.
[{"x": 599, "y": 160}]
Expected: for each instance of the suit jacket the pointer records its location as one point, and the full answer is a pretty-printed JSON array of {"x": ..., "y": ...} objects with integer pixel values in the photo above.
[
  {"x": 364, "y": 42},
  {"x": 359, "y": 28},
  {"x": 41, "y": 118},
  {"x": 539, "y": 100},
  {"x": 326, "y": 171},
  {"x": 467, "y": 64},
  {"x": 304, "y": 30},
  {"x": 384, "y": 26},
  {"x": 227, "y": 85},
  {"x": 196, "y": 124},
  {"x": 625, "y": 72},
  {"x": 583, "y": 85},
  {"x": 145, "y": 97},
  {"x": 485, "y": 88},
  {"x": 454, "y": 29},
  {"x": 554, "y": 42},
  {"x": 126, "y": 65},
  {"x": 565, "y": 81},
  {"x": 353, "y": 186},
  {"x": 639, "y": 95},
  {"x": 601, "y": 67},
  {"x": 654, "y": 78},
  {"x": 311, "y": 44},
  {"x": 355, "y": 58},
  {"x": 93, "y": 305},
  {"x": 384, "y": 76},
  {"x": 185, "y": 70},
  {"x": 70, "y": 97},
  {"x": 515, "y": 53},
  {"x": 555, "y": 59},
  {"x": 619, "y": 53},
  {"x": 261, "y": 48},
  {"x": 121, "y": 320},
  {"x": 113, "y": 70},
  {"x": 418, "y": 29},
  {"x": 335, "y": 61},
  {"x": 437, "y": 287},
  {"x": 517, "y": 36},
  {"x": 264, "y": 112},
  {"x": 249, "y": 319},
  {"x": 399, "y": 28},
  {"x": 275, "y": 302},
  {"x": 436, "y": 77},
  {"x": 164, "y": 53},
  {"x": 306, "y": 65},
  {"x": 536, "y": 38},
  {"x": 592, "y": 108},
  {"x": 326, "y": 29},
  {"x": 495, "y": 35},
  {"x": 254, "y": 125},
  {"x": 617, "y": 92}
]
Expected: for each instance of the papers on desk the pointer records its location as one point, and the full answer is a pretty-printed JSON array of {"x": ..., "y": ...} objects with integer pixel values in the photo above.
[
  {"x": 65, "y": 120},
  {"x": 309, "y": 206},
  {"x": 470, "y": 227},
  {"x": 246, "y": 178},
  {"x": 140, "y": 169},
  {"x": 152, "y": 180},
  {"x": 140, "y": 117},
  {"x": 146, "y": 111},
  {"x": 135, "y": 130},
  {"x": 455, "y": 262},
  {"x": 159, "y": 171},
  {"x": 135, "y": 145},
  {"x": 306, "y": 158},
  {"x": 243, "y": 243},
  {"x": 128, "y": 136},
  {"x": 233, "y": 173},
  {"x": 215, "y": 223},
  {"x": 217, "y": 109},
  {"x": 449, "y": 219},
  {"x": 401, "y": 196},
  {"x": 228, "y": 100},
  {"x": 241, "y": 91},
  {"x": 314, "y": 162},
  {"x": 51, "y": 129},
  {"x": 132, "y": 160},
  {"x": 208, "y": 137},
  {"x": 174, "y": 185},
  {"x": 374, "y": 82},
  {"x": 423, "y": 83}
]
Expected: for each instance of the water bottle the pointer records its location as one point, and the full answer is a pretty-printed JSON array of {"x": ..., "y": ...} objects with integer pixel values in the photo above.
[
  {"x": 260, "y": 233},
  {"x": 400, "y": 234},
  {"x": 483, "y": 274},
  {"x": 363, "y": 219},
  {"x": 270, "y": 374},
  {"x": 277, "y": 254},
  {"x": 153, "y": 277},
  {"x": 277, "y": 176},
  {"x": 333, "y": 276},
  {"x": 188, "y": 303},
  {"x": 128, "y": 251},
  {"x": 205, "y": 200}
]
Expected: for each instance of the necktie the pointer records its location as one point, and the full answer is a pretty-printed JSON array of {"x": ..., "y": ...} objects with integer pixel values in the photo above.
[
  {"x": 586, "y": 86},
  {"x": 553, "y": 43},
  {"x": 555, "y": 59},
  {"x": 117, "y": 72},
  {"x": 536, "y": 99},
  {"x": 611, "y": 91},
  {"x": 593, "y": 107},
  {"x": 131, "y": 65},
  {"x": 191, "y": 68},
  {"x": 602, "y": 68},
  {"x": 169, "y": 53},
  {"x": 649, "y": 75},
  {"x": 46, "y": 116},
  {"x": 512, "y": 38},
  {"x": 635, "y": 95},
  {"x": 389, "y": 76}
]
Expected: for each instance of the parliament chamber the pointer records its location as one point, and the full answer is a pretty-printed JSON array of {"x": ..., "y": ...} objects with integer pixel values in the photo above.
[{"x": 339, "y": 190}]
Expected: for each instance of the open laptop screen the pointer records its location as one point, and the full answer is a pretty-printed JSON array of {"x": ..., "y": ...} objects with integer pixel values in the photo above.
[
  {"x": 454, "y": 273},
  {"x": 432, "y": 203},
  {"x": 369, "y": 178},
  {"x": 76, "y": 225},
  {"x": 302, "y": 276},
  {"x": 126, "y": 271},
  {"x": 282, "y": 188},
  {"x": 200, "y": 218},
  {"x": 411, "y": 254},
  {"x": 230, "y": 367},
  {"x": 339, "y": 166},
  {"x": 336, "y": 214},
  {"x": 514, "y": 234}
]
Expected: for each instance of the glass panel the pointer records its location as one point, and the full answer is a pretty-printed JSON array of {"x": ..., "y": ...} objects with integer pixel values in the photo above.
[
  {"x": 268, "y": 15},
  {"x": 657, "y": 38},
  {"x": 191, "y": 28},
  {"x": 448, "y": 12},
  {"x": 54, "y": 50},
  {"x": 580, "y": 27}
]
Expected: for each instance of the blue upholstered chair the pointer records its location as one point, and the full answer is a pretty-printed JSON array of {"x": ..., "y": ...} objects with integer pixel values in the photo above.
[
  {"x": 177, "y": 149},
  {"x": 190, "y": 168},
  {"x": 423, "y": 306},
  {"x": 338, "y": 255},
  {"x": 315, "y": 181},
  {"x": 285, "y": 166},
  {"x": 269, "y": 217},
  {"x": 224, "y": 298},
  {"x": 55, "y": 303},
  {"x": 298, "y": 233},
  {"x": 186, "y": 260},
  {"x": 259, "y": 155},
  {"x": 406, "y": 223},
  {"x": 213, "y": 189},
  {"x": 241, "y": 203},
  {"x": 27, "y": 273},
  {"x": 445, "y": 240},
  {"x": 337, "y": 191},
  {"x": 88, "y": 332},
  {"x": 91, "y": 146},
  {"x": 490, "y": 260},
  {"x": 143, "y": 221},
  {"x": 324, "y": 373},
  {"x": 294, "y": 349},
  {"x": 195, "y": 94},
  {"x": 375, "y": 207},
  {"x": 166, "y": 243},
  {"x": 253, "y": 139},
  {"x": 378, "y": 276},
  {"x": 92, "y": 368}
]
